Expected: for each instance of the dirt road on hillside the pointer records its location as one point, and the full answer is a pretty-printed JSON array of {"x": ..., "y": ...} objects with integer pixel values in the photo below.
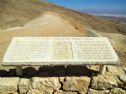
[{"x": 49, "y": 24}]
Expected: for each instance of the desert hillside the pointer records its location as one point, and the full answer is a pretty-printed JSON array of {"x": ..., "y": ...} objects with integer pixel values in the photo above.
[
  {"x": 32, "y": 18},
  {"x": 35, "y": 18}
]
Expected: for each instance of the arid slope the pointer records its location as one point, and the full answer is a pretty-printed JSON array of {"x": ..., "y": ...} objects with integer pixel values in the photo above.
[{"x": 32, "y": 18}]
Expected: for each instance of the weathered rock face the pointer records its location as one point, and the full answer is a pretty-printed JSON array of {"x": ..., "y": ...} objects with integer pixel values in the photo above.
[
  {"x": 123, "y": 78},
  {"x": 45, "y": 85},
  {"x": 8, "y": 85},
  {"x": 80, "y": 84},
  {"x": 124, "y": 68},
  {"x": 24, "y": 85},
  {"x": 64, "y": 92},
  {"x": 112, "y": 69},
  {"x": 34, "y": 91},
  {"x": 92, "y": 91},
  {"x": 103, "y": 82},
  {"x": 117, "y": 91}
]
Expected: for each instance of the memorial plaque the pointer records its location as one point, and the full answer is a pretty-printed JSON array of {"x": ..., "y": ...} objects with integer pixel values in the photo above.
[{"x": 60, "y": 51}]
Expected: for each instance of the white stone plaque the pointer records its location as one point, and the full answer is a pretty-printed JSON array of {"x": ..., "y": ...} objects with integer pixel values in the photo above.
[{"x": 59, "y": 51}]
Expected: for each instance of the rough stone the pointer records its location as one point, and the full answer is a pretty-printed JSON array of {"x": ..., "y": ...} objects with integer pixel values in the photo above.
[
  {"x": 34, "y": 91},
  {"x": 117, "y": 91},
  {"x": 122, "y": 78},
  {"x": 61, "y": 79},
  {"x": 92, "y": 91},
  {"x": 120, "y": 71},
  {"x": 45, "y": 84},
  {"x": 76, "y": 84},
  {"x": 24, "y": 85},
  {"x": 64, "y": 92},
  {"x": 103, "y": 82},
  {"x": 124, "y": 68},
  {"x": 8, "y": 85},
  {"x": 120, "y": 84},
  {"x": 112, "y": 69}
]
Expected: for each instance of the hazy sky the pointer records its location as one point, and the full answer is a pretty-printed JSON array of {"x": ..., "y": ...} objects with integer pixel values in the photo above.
[{"x": 92, "y": 4}]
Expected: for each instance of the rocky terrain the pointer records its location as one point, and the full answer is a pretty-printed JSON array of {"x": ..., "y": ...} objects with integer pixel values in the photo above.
[
  {"x": 121, "y": 20},
  {"x": 61, "y": 80},
  {"x": 37, "y": 19}
]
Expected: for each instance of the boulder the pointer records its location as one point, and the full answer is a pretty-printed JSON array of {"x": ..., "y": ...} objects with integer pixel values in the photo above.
[
  {"x": 120, "y": 71},
  {"x": 92, "y": 91},
  {"x": 103, "y": 82},
  {"x": 9, "y": 85},
  {"x": 117, "y": 91},
  {"x": 76, "y": 84},
  {"x": 24, "y": 85},
  {"x": 45, "y": 84}
]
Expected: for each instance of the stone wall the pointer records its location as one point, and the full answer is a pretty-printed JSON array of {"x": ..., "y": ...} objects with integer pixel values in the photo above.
[{"x": 72, "y": 80}]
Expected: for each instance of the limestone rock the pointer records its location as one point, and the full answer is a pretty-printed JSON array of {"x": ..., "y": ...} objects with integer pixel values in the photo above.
[
  {"x": 124, "y": 68},
  {"x": 61, "y": 79},
  {"x": 122, "y": 78},
  {"x": 24, "y": 85},
  {"x": 121, "y": 71},
  {"x": 120, "y": 83},
  {"x": 103, "y": 83},
  {"x": 112, "y": 69},
  {"x": 34, "y": 91},
  {"x": 8, "y": 85},
  {"x": 63, "y": 92},
  {"x": 92, "y": 91},
  {"x": 117, "y": 91},
  {"x": 76, "y": 84},
  {"x": 46, "y": 84}
]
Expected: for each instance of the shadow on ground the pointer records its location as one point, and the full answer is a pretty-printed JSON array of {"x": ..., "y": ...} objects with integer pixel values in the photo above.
[{"x": 54, "y": 71}]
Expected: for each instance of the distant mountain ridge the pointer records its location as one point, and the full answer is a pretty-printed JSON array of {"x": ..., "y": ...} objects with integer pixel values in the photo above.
[{"x": 105, "y": 12}]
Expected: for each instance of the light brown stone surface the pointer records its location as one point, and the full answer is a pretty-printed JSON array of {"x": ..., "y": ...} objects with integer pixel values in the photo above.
[
  {"x": 117, "y": 91},
  {"x": 76, "y": 84},
  {"x": 123, "y": 78},
  {"x": 92, "y": 91},
  {"x": 112, "y": 69},
  {"x": 103, "y": 82},
  {"x": 65, "y": 92},
  {"x": 45, "y": 84},
  {"x": 9, "y": 85},
  {"x": 34, "y": 91},
  {"x": 24, "y": 85}
]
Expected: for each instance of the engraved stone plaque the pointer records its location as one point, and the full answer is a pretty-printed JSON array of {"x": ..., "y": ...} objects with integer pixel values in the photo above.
[
  {"x": 62, "y": 50},
  {"x": 59, "y": 51}
]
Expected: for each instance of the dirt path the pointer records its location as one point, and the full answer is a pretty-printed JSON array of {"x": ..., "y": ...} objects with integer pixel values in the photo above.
[{"x": 49, "y": 24}]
